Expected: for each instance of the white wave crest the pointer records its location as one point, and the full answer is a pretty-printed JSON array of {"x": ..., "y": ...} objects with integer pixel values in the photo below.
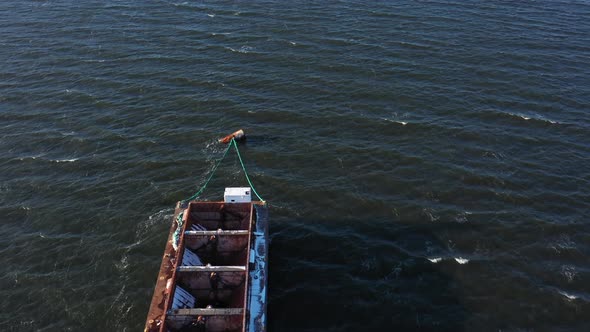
[
  {"x": 64, "y": 160},
  {"x": 403, "y": 123},
  {"x": 462, "y": 260},
  {"x": 534, "y": 118},
  {"x": 570, "y": 297}
]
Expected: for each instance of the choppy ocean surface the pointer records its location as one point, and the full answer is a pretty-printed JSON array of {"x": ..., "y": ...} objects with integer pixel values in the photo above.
[{"x": 427, "y": 163}]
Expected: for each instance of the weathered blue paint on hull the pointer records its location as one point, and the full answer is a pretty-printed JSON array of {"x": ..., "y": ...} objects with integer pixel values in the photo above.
[{"x": 258, "y": 272}]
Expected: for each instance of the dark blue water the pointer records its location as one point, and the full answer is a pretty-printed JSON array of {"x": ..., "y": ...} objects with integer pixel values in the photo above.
[{"x": 426, "y": 162}]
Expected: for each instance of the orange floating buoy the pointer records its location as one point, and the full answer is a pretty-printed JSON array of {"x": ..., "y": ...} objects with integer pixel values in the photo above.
[{"x": 238, "y": 135}]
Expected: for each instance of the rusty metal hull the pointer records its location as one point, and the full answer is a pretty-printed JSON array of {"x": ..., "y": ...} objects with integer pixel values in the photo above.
[{"x": 213, "y": 275}]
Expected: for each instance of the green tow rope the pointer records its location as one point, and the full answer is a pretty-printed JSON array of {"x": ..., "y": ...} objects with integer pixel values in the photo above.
[
  {"x": 235, "y": 145},
  {"x": 233, "y": 141}
]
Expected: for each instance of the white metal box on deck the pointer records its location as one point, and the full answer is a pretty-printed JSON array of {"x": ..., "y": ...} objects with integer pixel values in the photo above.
[{"x": 237, "y": 195}]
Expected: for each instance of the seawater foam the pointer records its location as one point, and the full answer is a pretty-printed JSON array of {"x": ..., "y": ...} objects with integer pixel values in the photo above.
[
  {"x": 243, "y": 49},
  {"x": 459, "y": 260}
]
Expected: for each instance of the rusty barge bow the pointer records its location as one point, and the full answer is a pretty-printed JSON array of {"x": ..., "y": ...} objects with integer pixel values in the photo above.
[{"x": 213, "y": 274}]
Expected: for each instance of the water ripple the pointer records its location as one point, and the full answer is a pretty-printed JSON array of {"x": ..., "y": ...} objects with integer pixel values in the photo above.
[{"x": 424, "y": 161}]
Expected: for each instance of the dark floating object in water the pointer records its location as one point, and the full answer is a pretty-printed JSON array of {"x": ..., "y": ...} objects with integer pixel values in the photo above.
[
  {"x": 237, "y": 135},
  {"x": 213, "y": 274}
]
